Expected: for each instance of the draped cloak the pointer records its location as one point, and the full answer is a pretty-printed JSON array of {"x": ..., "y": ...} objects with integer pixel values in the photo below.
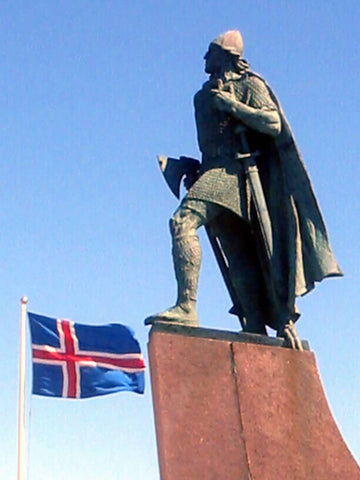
[{"x": 301, "y": 251}]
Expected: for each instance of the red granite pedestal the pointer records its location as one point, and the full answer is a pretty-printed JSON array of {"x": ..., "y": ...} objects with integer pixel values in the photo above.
[{"x": 227, "y": 409}]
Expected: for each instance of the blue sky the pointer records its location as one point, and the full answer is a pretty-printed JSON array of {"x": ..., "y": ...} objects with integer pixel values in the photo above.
[{"x": 90, "y": 93}]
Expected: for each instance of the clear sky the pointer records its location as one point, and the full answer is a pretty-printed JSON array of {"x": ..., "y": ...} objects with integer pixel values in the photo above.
[{"x": 90, "y": 93}]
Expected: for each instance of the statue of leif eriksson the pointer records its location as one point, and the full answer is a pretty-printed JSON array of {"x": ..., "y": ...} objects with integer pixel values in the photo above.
[{"x": 253, "y": 195}]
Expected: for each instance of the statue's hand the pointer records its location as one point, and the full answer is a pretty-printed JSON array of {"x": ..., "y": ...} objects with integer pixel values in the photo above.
[{"x": 224, "y": 100}]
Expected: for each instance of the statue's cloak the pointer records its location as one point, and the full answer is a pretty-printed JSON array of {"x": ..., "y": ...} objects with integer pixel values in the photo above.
[{"x": 301, "y": 251}]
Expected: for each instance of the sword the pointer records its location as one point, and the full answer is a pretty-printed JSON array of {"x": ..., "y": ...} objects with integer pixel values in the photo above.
[{"x": 248, "y": 160}]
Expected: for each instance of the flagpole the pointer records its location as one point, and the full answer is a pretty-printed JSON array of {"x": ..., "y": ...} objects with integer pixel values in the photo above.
[{"x": 21, "y": 419}]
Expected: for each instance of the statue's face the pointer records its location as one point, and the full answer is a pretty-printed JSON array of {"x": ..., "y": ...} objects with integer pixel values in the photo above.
[{"x": 214, "y": 59}]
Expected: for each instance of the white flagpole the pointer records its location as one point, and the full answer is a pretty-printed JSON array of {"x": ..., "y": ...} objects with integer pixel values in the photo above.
[{"x": 21, "y": 419}]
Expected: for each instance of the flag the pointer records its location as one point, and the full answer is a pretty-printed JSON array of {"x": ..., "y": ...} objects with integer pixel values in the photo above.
[{"x": 72, "y": 360}]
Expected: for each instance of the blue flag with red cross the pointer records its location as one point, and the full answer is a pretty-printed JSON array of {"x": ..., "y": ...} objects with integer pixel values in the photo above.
[{"x": 72, "y": 360}]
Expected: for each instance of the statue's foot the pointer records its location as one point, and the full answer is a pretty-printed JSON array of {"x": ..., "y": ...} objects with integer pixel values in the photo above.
[
  {"x": 290, "y": 334},
  {"x": 177, "y": 315}
]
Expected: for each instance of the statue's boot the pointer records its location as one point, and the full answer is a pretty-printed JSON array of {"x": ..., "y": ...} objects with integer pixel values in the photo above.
[
  {"x": 179, "y": 314},
  {"x": 289, "y": 333},
  {"x": 187, "y": 258}
]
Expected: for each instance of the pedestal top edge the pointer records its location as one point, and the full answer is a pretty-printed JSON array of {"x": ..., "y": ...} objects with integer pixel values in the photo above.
[{"x": 226, "y": 335}]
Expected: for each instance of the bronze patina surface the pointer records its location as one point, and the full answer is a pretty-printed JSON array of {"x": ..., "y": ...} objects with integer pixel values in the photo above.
[{"x": 252, "y": 193}]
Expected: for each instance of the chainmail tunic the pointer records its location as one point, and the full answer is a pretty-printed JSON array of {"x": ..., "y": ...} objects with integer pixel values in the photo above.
[{"x": 222, "y": 179}]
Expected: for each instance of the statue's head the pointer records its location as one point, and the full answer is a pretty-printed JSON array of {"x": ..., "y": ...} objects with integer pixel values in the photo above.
[
  {"x": 230, "y": 41},
  {"x": 224, "y": 52}
]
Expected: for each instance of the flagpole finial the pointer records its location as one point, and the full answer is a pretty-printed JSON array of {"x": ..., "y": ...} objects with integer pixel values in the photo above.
[{"x": 24, "y": 300}]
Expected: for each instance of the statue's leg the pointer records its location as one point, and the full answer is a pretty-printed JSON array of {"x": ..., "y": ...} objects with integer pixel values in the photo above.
[
  {"x": 186, "y": 252},
  {"x": 239, "y": 246}
]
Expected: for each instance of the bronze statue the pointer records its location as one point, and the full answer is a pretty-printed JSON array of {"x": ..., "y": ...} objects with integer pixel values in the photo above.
[{"x": 253, "y": 195}]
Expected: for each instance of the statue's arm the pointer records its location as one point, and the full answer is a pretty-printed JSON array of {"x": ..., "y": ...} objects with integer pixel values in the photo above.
[
  {"x": 263, "y": 120},
  {"x": 260, "y": 114}
]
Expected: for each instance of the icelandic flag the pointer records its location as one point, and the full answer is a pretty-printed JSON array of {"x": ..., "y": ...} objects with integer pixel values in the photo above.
[{"x": 71, "y": 360}]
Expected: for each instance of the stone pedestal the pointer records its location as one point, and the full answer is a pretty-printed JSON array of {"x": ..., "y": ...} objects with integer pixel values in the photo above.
[{"x": 228, "y": 409}]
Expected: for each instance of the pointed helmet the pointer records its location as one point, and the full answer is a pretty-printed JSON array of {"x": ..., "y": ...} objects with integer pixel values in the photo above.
[{"x": 231, "y": 41}]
